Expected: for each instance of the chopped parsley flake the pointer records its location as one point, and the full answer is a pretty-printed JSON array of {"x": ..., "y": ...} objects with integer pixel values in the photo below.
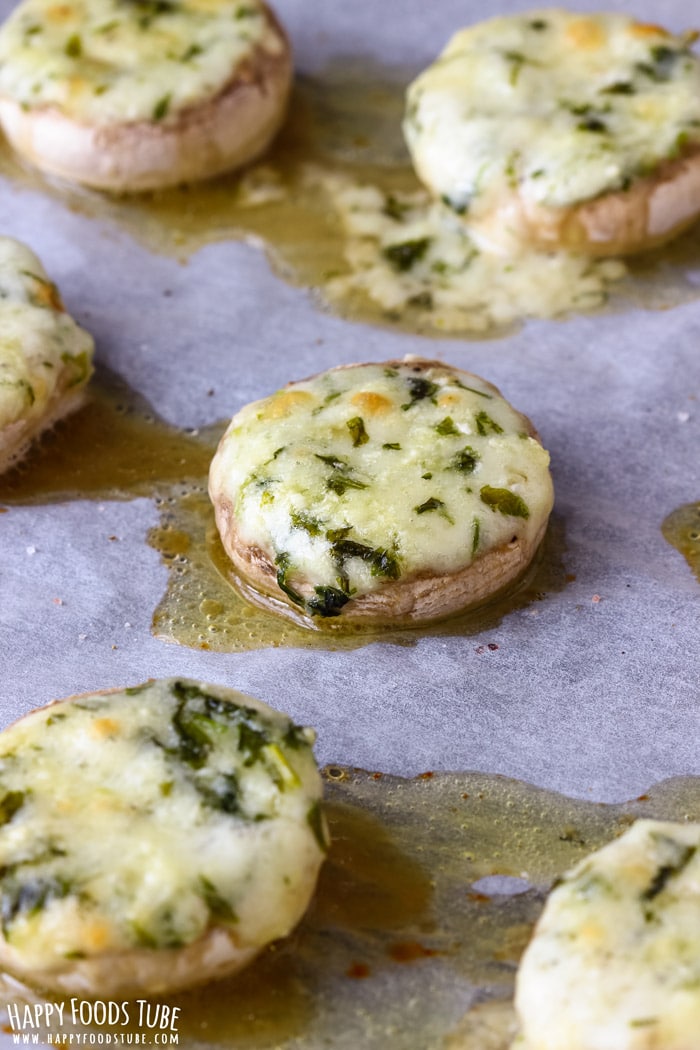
[
  {"x": 447, "y": 427},
  {"x": 74, "y": 46},
  {"x": 465, "y": 460},
  {"x": 404, "y": 256},
  {"x": 485, "y": 425},
  {"x": 420, "y": 389},
  {"x": 160, "y": 110},
  {"x": 357, "y": 430},
  {"x": 504, "y": 501}
]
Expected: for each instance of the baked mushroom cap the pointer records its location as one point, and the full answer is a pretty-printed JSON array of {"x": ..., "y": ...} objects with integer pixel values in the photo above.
[
  {"x": 45, "y": 357},
  {"x": 614, "y": 958},
  {"x": 153, "y": 837},
  {"x": 130, "y": 97},
  {"x": 562, "y": 130},
  {"x": 386, "y": 493}
]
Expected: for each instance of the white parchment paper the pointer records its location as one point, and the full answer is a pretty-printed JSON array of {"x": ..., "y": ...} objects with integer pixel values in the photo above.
[{"x": 592, "y": 691}]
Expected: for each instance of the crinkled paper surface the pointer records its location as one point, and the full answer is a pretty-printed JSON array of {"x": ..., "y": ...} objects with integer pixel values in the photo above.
[{"x": 592, "y": 691}]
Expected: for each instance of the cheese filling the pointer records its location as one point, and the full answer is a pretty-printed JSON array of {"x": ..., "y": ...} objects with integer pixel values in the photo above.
[
  {"x": 43, "y": 352},
  {"x": 104, "y": 61},
  {"x": 139, "y": 819},
  {"x": 412, "y": 255},
  {"x": 559, "y": 106},
  {"x": 371, "y": 474},
  {"x": 614, "y": 962}
]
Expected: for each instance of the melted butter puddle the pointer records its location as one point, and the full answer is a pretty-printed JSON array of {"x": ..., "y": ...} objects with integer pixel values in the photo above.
[
  {"x": 682, "y": 530},
  {"x": 429, "y": 895},
  {"x": 203, "y": 609},
  {"x": 335, "y": 203},
  {"x": 114, "y": 447}
]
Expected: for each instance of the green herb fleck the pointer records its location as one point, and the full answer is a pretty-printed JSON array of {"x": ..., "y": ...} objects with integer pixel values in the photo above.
[
  {"x": 667, "y": 871},
  {"x": 405, "y": 255},
  {"x": 339, "y": 483},
  {"x": 594, "y": 124},
  {"x": 357, "y": 430},
  {"x": 333, "y": 461},
  {"x": 301, "y": 520},
  {"x": 328, "y": 601},
  {"x": 620, "y": 87},
  {"x": 472, "y": 389},
  {"x": 382, "y": 562},
  {"x": 143, "y": 937},
  {"x": 447, "y": 427},
  {"x": 485, "y": 425},
  {"x": 10, "y": 804},
  {"x": 341, "y": 478},
  {"x": 465, "y": 460},
  {"x": 665, "y": 60},
  {"x": 74, "y": 46},
  {"x": 681, "y": 143},
  {"x": 420, "y": 389},
  {"x": 392, "y": 445},
  {"x": 430, "y": 504},
  {"x": 223, "y": 794},
  {"x": 283, "y": 563},
  {"x": 326, "y": 401},
  {"x": 297, "y": 737},
  {"x": 217, "y": 904},
  {"x": 421, "y": 301},
  {"x": 333, "y": 535},
  {"x": 29, "y": 898},
  {"x": 160, "y": 110},
  {"x": 395, "y": 209},
  {"x": 476, "y": 532},
  {"x": 504, "y": 501},
  {"x": 517, "y": 61},
  {"x": 458, "y": 207},
  {"x": 192, "y": 51}
]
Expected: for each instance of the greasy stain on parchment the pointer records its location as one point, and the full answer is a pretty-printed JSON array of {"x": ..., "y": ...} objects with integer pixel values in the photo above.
[
  {"x": 117, "y": 447},
  {"x": 423, "y": 908},
  {"x": 114, "y": 447},
  {"x": 682, "y": 530},
  {"x": 343, "y": 135},
  {"x": 203, "y": 609}
]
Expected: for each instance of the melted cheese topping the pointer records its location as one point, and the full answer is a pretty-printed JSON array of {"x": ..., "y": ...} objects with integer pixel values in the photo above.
[
  {"x": 365, "y": 475},
  {"x": 615, "y": 960},
  {"x": 412, "y": 255},
  {"x": 103, "y": 61},
  {"x": 561, "y": 107},
  {"x": 144, "y": 817},
  {"x": 43, "y": 352}
]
